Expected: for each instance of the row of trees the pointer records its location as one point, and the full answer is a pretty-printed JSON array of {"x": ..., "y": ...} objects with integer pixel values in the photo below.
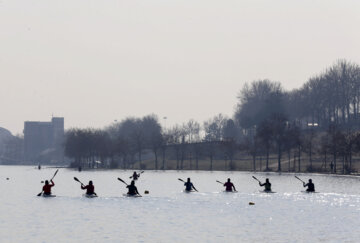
[
  {"x": 142, "y": 140},
  {"x": 126, "y": 142},
  {"x": 332, "y": 97},
  {"x": 311, "y": 128},
  {"x": 325, "y": 109},
  {"x": 332, "y": 150}
]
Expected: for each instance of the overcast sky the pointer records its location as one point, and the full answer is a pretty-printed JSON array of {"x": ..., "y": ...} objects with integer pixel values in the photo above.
[{"x": 94, "y": 62}]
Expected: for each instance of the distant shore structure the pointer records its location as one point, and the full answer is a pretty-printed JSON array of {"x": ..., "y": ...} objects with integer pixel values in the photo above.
[{"x": 43, "y": 141}]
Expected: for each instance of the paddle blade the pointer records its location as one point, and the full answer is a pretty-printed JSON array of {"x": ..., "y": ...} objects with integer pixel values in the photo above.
[
  {"x": 122, "y": 181},
  {"x": 180, "y": 179},
  {"x": 76, "y": 179},
  {"x": 39, "y": 194}
]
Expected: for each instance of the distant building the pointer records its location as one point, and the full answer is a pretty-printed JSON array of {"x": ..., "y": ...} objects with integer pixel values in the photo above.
[
  {"x": 43, "y": 141},
  {"x": 4, "y": 136}
]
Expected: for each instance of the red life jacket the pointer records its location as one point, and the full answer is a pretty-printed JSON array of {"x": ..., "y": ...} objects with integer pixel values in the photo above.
[{"x": 47, "y": 188}]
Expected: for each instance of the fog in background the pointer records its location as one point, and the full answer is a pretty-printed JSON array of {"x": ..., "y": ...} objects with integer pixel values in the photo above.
[{"x": 94, "y": 62}]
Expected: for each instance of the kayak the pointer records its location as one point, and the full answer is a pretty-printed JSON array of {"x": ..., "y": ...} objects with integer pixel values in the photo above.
[
  {"x": 90, "y": 196},
  {"x": 308, "y": 192},
  {"x": 185, "y": 191},
  {"x": 230, "y": 191},
  {"x": 267, "y": 191},
  {"x": 128, "y": 195},
  {"x": 51, "y": 195}
]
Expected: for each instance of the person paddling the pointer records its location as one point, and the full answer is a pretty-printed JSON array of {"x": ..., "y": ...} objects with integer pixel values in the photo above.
[
  {"x": 90, "y": 189},
  {"x": 310, "y": 186},
  {"x": 229, "y": 186},
  {"x": 132, "y": 189},
  {"x": 267, "y": 185},
  {"x": 189, "y": 186},
  {"x": 47, "y": 187},
  {"x": 135, "y": 175}
]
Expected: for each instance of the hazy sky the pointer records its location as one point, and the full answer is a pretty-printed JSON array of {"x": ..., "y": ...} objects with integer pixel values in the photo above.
[{"x": 94, "y": 62}]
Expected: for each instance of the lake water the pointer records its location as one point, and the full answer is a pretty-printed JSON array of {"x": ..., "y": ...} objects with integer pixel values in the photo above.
[{"x": 167, "y": 214}]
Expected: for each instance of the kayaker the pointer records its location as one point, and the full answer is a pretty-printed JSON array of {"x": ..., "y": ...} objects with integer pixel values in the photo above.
[
  {"x": 132, "y": 189},
  {"x": 135, "y": 175},
  {"x": 310, "y": 186},
  {"x": 47, "y": 187},
  {"x": 89, "y": 188},
  {"x": 267, "y": 185},
  {"x": 229, "y": 186},
  {"x": 189, "y": 186}
]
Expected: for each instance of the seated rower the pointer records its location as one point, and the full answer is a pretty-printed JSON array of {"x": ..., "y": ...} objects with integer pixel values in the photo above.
[
  {"x": 229, "y": 186},
  {"x": 132, "y": 189},
  {"x": 189, "y": 186},
  {"x": 90, "y": 189},
  {"x": 47, "y": 187},
  {"x": 267, "y": 185},
  {"x": 135, "y": 175},
  {"x": 310, "y": 186}
]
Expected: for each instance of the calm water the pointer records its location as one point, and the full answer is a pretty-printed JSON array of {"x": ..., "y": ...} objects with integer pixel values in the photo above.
[{"x": 169, "y": 215}]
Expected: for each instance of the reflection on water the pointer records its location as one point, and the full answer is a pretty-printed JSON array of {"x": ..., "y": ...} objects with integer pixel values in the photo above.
[{"x": 167, "y": 214}]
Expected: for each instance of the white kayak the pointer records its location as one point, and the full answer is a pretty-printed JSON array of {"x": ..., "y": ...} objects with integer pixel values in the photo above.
[
  {"x": 90, "y": 195},
  {"x": 308, "y": 192},
  {"x": 230, "y": 191},
  {"x": 185, "y": 191},
  {"x": 128, "y": 195},
  {"x": 267, "y": 191}
]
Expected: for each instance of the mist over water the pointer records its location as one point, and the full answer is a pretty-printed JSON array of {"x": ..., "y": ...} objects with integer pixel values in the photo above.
[{"x": 169, "y": 215}]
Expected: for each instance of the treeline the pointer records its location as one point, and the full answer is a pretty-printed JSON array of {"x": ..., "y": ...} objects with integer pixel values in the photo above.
[
  {"x": 321, "y": 119},
  {"x": 124, "y": 143},
  {"x": 314, "y": 128},
  {"x": 331, "y": 97}
]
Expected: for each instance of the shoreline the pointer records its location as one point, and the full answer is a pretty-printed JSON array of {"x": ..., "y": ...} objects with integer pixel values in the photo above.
[{"x": 355, "y": 175}]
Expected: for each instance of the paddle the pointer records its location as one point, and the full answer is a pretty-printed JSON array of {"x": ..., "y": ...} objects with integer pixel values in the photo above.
[
  {"x": 138, "y": 175},
  {"x": 256, "y": 179},
  {"x": 50, "y": 180},
  {"x": 300, "y": 179},
  {"x": 122, "y": 181},
  {"x": 76, "y": 179},
  {"x": 54, "y": 174}
]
